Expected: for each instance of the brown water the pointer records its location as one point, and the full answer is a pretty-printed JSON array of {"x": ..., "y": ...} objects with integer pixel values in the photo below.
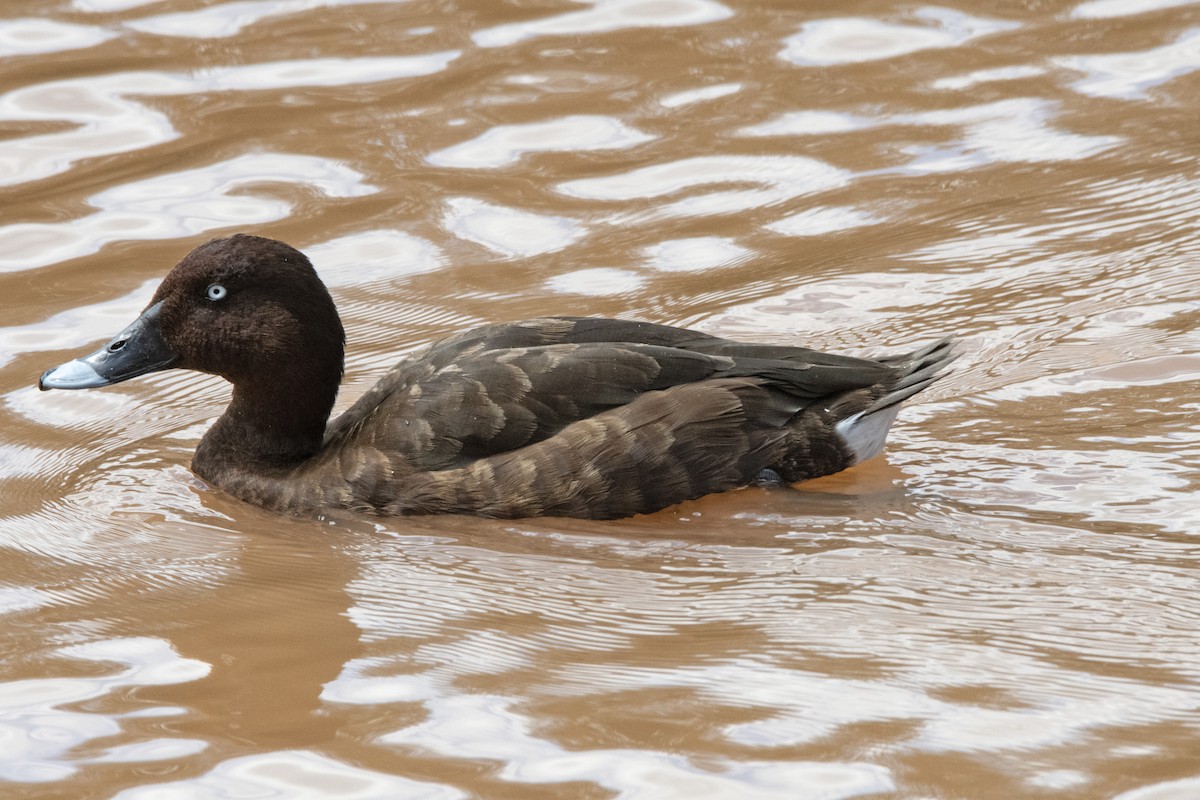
[{"x": 1006, "y": 605}]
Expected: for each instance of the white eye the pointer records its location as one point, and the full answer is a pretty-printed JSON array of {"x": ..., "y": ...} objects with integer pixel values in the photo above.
[{"x": 216, "y": 292}]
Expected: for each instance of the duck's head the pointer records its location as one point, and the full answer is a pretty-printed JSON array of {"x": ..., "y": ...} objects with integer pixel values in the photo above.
[{"x": 249, "y": 309}]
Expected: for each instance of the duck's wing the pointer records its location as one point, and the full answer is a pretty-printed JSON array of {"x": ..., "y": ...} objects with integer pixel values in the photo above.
[
  {"x": 597, "y": 330},
  {"x": 663, "y": 448},
  {"x": 549, "y": 331},
  {"x": 545, "y": 331},
  {"x": 434, "y": 416}
]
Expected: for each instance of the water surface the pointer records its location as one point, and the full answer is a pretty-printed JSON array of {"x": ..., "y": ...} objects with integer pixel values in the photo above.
[{"x": 1003, "y": 606}]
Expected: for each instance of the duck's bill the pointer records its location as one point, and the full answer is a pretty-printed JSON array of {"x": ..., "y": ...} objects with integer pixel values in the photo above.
[{"x": 137, "y": 350}]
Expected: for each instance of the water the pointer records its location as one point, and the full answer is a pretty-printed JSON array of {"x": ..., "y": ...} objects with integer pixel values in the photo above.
[{"x": 1005, "y": 605}]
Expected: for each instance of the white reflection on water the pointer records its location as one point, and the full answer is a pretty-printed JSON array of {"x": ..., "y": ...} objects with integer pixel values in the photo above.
[
  {"x": 1015, "y": 130},
  {"x": 1129, "y": 75},
  {"x": 1058, "y": 779},
  {"x": 1109, "y": 207},
  {"x": 846, "y": 40},
  {"x": 354, "y": 687},
  {"x": 22, "y": 37},
  {"x": 1185, "y": 789},
  {"x": 104, "y": 6},
  {"x": 506, "y": 144},
  {"x": 176, "y": 205},
  {"x": 927, "y": 612},
  {"x": 1046, "y": 704},
  {"x": 295, "y": 775},
  {"x": 19, "y": 598},
  {"x": 1013, "y": 73},
  {"x": 40, "y": 722},
  {"x": 74, "y": 327},
  {"x": 373, "y": 257},
  {"x": 697, "y": 253},
  {"x": 804, "y": 123},
  {"x": 781, "y": 178},
  {"x": 481, "y": 726},
  {"x": 509, "y": 231},
  {"x": 1139, "y": 475},
  {"x": 23, "y": 461},
  {"x": 228, "y": 19},
  {"x": 316, "y": 72},
  {"x": 605, "y": 16},
  {"x": 690, "y": 96},
  {"x": 596, "y": 281},
  {"x": 1100, "y": 9},
  {"x": 154, "y": 750},
  {"x": 822, "y": 220},
  {"x": 69, "y": 409},
  {"x": 1011, "y": 131},
  {"x": 110, "y": 122},
  {"x": 953, "y": 613}
]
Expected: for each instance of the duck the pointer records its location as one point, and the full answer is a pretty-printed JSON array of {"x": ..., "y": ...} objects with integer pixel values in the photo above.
[{"x": 560, "y": 416}]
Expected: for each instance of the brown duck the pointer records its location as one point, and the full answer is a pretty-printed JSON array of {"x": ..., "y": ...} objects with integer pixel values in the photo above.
[{"x": 560, "y": 416}]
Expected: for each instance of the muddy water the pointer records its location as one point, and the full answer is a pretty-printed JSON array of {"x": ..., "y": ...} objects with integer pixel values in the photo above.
[{"x": 1004, "y": 606}]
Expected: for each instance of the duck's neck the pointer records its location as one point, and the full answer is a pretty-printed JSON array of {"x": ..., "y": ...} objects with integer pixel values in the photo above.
[{"x": 267, "y": 428}]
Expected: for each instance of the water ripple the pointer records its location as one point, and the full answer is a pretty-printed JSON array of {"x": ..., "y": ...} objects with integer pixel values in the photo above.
[
  {"x": 108, "y": 122},
  {"x": 1006, "y": 601},
  {"x": 295, "y": 775},
  {"x": 781, "y": 178},
  {"x": 177, "y": 205},
  {"x": 846, "y": 40},
  {"x": 1130, "y": 75},
  {"x": 486, "y": 727},
  {"x": 229, "y": 19},
  {"x": 1105, "y": 9},
  {"x": 371, "y": 257},
  {"x": 605, "y": 16},
  {"x": 40, "y": 727},
  {"x": 32, "y": 36},
  {"x": 506, "y": 144},
  {"x": 509, "y": 231}
]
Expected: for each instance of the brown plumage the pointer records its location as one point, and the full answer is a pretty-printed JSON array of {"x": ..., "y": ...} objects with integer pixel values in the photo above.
[{"x": 562, "y": 416}]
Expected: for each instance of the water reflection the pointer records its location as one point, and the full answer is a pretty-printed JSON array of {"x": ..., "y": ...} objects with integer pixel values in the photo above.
[
  {"x": 1130, "y": 75},
  {"x": 229, "y": 19},
  {"x": 106, "y": 6},
  {"x": 1004, "y": 606},
  {"x": 75, "y": 327},
  {"x": 41, "y": 726},
  {"x": 23, "y": 37},
  {"x": 780, "y": 178},
  {"x": 373, "y": 256},
  {"x": 485, "y": 727},
  {"x": 298, "y": 774},
  {"x": 597, "y": 281},
  {"x": 509, "y": 231},
  {"x": 1013, "y": 130},
  {"x": 698, "y": 253},
  {"x": 176, "y": 205},
  {"x": 606, "y": 16},
  {"x": 506, "y": 144},
  {"x": 822, "y": 220},
  {"x": 1105, "y": 9},
  {"x": 106, "y": 121},
  {"x": 852, "y": 39},
  {"x": 700, "y": 95}
]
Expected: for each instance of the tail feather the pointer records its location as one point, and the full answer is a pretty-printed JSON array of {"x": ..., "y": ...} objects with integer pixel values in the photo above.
[{"x": 866, "y": 431}]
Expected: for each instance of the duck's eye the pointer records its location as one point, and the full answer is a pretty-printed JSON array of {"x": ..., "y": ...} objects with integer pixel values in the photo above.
[{"x": 216, "y": 292}]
